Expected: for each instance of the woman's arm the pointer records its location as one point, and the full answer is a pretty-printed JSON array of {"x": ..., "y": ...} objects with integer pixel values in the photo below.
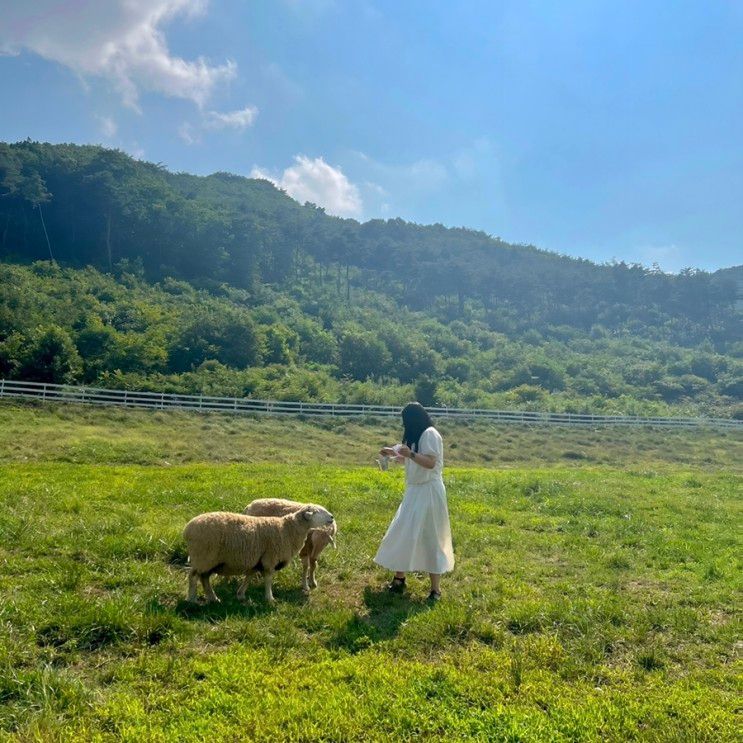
[{"x": 428, "y": 461}]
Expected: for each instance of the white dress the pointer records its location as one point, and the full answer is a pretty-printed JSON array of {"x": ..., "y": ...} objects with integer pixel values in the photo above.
[{"x": 419, "y": 537}]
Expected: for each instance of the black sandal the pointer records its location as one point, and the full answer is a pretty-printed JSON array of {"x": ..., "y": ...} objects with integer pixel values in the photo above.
[
  {"x": 434, "y": 596},
  {"x": 397, "y": 585}
]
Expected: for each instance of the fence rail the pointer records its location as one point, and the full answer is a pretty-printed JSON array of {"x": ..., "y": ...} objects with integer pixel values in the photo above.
[{"x": 164, "y": 400}]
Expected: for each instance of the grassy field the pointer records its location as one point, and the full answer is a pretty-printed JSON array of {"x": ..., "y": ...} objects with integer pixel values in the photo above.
[
  {"x": 594, "y": 598},
  {"x": 90, "y": 435}
]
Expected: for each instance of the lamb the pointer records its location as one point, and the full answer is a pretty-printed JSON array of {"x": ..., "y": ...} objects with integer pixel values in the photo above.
[
  {"x": 317, "y": 539},
  {"x": 237, "y": 544}
]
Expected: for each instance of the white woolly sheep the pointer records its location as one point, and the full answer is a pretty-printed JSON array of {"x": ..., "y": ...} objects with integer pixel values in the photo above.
[
  {"x": 317, "y": 539},
  {"x": 236, "y": 544}
]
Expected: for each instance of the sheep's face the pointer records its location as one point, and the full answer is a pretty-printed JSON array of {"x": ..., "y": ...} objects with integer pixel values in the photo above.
[{"x": 316, "y": 516}]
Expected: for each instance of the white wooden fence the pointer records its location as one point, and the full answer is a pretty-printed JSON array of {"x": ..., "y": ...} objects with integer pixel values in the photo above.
[{"x": 167, "y": 401}]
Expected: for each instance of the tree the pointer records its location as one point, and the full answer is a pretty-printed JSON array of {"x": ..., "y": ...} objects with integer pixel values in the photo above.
[
  {"x": 363, "y": 355},
  {"x": 232, "y": 340},
  {"x": 425, "y": 391},
  {"x": 50, "y": 356},
  {"x": 279, "y": 345}
]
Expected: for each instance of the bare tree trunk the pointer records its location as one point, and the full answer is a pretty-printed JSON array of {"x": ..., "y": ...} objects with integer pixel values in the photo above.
[
  {"x": 46, "y": 234},
  {"x": 108, "y": 239},
  {"x": 25, "y": 227},
  {"x": 5, "y": 229}
]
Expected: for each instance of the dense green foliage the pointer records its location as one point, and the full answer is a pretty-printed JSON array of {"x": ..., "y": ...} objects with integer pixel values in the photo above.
[
  {"x": 78, "y": 325},
  {"x": 226, "y": 285}
]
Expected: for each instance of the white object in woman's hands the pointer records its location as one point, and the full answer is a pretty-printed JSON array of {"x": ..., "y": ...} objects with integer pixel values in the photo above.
[{"x": 388, "y": 453}]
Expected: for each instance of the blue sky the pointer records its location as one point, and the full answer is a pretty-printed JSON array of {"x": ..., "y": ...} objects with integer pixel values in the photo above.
[{"x": 601, "y": 130}]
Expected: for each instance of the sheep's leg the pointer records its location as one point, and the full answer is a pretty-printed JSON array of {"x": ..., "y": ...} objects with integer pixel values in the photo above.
[
  {"x": 268, "y": 582},
  {"x": 243, "y": 587},
  {"x": 211, "y": 597},
  {"x": 305, "y": 573},
  {"x": 313, "y": 565},
  {"x": 193, "y": 578}
]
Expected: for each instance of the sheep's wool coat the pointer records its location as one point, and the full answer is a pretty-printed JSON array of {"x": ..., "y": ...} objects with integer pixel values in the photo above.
[
  {"x": 317, "y": 538},
  {"x": 233, "y": 543}
]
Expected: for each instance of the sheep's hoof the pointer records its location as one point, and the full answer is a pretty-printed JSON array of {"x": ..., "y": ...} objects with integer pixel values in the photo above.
[
  {"x": 306, "y": 590},
  {"x": 313, "y": 584}
]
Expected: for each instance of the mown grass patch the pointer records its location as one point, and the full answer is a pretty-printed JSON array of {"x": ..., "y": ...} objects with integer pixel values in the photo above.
[{"x": 90, "y": 435}]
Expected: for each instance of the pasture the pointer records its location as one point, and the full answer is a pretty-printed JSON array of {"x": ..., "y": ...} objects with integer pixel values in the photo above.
[{"x": 596, "y": 595}]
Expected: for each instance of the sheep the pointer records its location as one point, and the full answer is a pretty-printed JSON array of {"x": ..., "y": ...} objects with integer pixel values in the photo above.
[
  {"x": 237, "y": 544},
  {"x": 317, "y": 539}
]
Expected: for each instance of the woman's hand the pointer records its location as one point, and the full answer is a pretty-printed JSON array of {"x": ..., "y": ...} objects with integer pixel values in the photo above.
[
  {"x": 387, "y": 451},
  {"x": 404, "y": 451}
]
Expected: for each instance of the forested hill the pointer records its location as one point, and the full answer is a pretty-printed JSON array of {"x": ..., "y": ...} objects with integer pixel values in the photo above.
[
  {"x": 101, "y": 207},
  {"x": 359, "y": 302}
]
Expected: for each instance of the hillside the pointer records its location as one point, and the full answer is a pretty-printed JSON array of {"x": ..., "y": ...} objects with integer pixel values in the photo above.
[{"x": 225, "y": 284}]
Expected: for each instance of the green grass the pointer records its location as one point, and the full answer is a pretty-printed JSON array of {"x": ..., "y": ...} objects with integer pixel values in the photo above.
[{"x": 588, "y": 602}]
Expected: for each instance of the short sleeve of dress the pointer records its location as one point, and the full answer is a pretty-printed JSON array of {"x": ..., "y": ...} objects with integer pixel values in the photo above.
[{"x": 431, "y": 443}]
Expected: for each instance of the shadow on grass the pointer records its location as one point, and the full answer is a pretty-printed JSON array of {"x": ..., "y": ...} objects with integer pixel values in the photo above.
[
  {"x": 386, "y": 614},
  {"x": 254, "y": 604}
]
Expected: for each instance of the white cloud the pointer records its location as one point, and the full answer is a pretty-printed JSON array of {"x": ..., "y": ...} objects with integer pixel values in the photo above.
[
  {"x": 188, "y": 133},
  {"x": 108, "y": 126},
  {"x": 315, "y": 181},
  {"x": 120, "y": 40},
  {"x": 231, "y": 119}
]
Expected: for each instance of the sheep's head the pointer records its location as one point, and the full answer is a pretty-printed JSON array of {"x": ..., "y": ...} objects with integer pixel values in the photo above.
[{"x": 316, "y": 516}]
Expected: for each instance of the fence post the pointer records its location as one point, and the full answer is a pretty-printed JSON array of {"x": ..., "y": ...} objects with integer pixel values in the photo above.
[
  {"x": 162, "y": 401},
  {"x": 2, "y": 387}
]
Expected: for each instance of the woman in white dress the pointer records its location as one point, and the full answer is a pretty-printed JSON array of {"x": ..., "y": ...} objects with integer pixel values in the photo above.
[{"x": 419, "y": 537}]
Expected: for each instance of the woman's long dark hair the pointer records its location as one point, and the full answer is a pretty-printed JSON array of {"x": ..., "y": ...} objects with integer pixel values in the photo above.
[{"x": 415, "y": 420}]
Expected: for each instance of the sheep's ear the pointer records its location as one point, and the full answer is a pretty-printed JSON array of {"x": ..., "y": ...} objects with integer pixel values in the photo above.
[{"x": 307, "y": 514}]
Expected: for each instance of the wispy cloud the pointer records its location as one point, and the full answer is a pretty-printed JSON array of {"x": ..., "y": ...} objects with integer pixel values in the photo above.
[
  {"x": 188, "y": 133},
  {"x": 191, "y": 132},
  {"x": 314, "y": 180},
  {"x": 120, "y": 40},
  {"x": 231, "y": 119},
  {"x": 424, "y": 174},
  {"x": 136, "y": 151},
  {"x": 108, "y": 126},
  {"x": 390, "y": 187}
]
